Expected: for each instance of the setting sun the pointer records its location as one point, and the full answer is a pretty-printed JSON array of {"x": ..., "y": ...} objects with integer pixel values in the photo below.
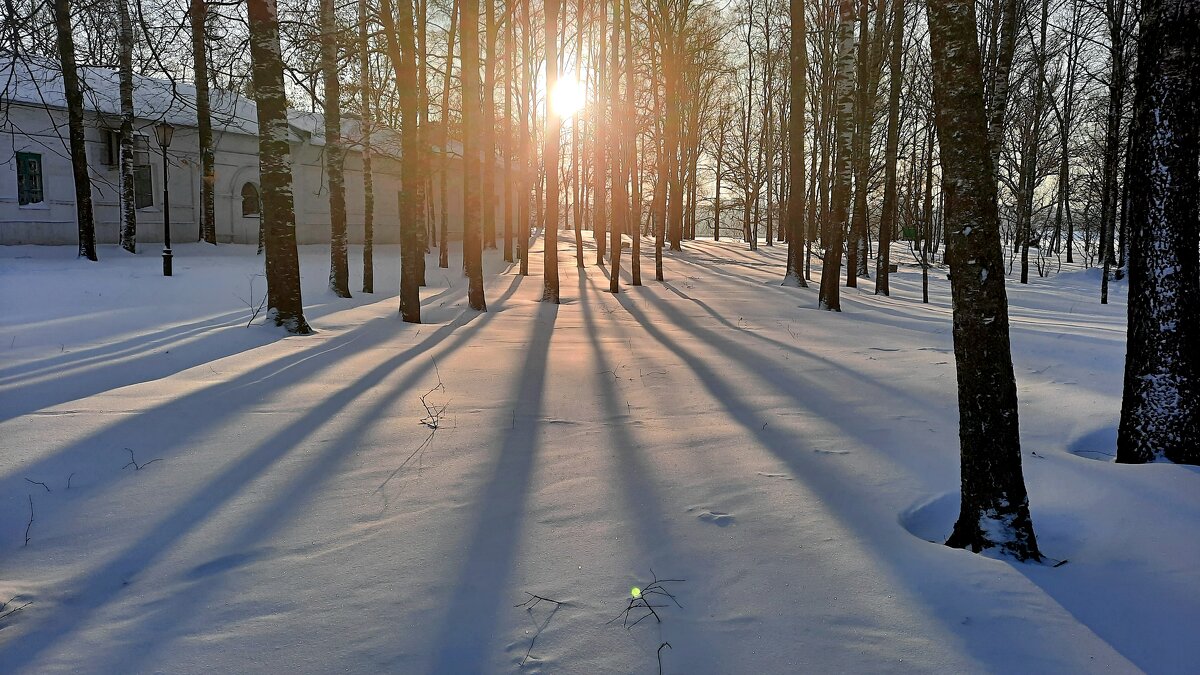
[{"x": 568, "y": 97}]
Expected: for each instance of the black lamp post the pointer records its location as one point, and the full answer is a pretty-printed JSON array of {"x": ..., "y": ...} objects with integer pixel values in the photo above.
[{"x": 163, "y": 131}]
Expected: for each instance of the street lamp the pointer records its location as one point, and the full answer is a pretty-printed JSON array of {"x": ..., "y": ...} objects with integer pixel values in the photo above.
[{"x": 163, "y": 132}]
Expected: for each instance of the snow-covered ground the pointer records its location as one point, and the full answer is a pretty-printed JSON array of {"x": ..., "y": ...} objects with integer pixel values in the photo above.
[{"x": 292, "y": 513}]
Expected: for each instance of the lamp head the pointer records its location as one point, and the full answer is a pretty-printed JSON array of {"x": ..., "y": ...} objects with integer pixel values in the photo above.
[{"x": 163, "y": 131}]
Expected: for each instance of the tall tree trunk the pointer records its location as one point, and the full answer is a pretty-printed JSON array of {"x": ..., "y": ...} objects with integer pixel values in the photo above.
[
  {"x": 473, "y": 121},
  {"x": 600, "y": 167},
  {"x": 994, "y": 510},
  {"x": 996, "y": 101},
  {"x": 198, "y": 15},
  {"x": 525, "y": 113},
  {"x": 628, "y": 128},
  {"x": 887, "y": 220},
  {"x": 75, "y": 124},
  {"x": 856, "y": 256},
  {"x": 489, "y": 129},
  {"x": 364, "y": 66},
  {"x": 843, "y": 152},
  {"x": 398, "y": 30},
  {"x": 444, "y": 138},
  {"x": 620, "y": 207},
  {"x": 424, "y": 153},
  {"x": 1112, "y": 139},
  {"x": 797, "y": 71},
  {"x": 286, "y": 306},
  {"x": 1029, "y": 157},
  {"x": 1160, "y": 409},
  {"x": 335, "y": 154},
  {"x": 672, "y": 73},
  {"x": 659, "y": 202},
  {"x": 550, "y": 158},
  {"x": 510, "y": 81},
  {"x": 720, "y": 157},
  {"x": 576, "y": 140},
  {"x": 128, "y": 235}
]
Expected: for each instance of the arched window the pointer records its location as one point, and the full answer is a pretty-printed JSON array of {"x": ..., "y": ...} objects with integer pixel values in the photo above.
[{"x": 251, "y": 205}]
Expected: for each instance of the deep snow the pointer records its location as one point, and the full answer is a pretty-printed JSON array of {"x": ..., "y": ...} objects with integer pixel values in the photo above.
[{"x": 788, "y": 463}]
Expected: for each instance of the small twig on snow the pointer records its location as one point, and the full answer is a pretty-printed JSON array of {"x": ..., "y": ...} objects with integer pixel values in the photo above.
[
  {"x": 135, "y": 465},
  {"x": 29, "y": 525},
  {"x": 529, "y": 605},
  {"x": 38, "y": 482},
  {"x": 660, "y": 647},
  {"x": 640, "y": 601},
  {"x": 10, "y": 612},
  {"x": 69, "y": 480}
]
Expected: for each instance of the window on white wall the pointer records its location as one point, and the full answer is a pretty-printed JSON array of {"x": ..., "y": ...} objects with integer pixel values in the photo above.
[
  {"x": 251, "y": 204},
  {"x": 29, "y": 178},
  {"x": 143, "y": 180}
]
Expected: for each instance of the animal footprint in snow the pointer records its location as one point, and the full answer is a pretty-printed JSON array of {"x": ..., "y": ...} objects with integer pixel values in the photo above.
[
  {"x": 823, "y": 451},
  {"x": 718, "y": 518}
]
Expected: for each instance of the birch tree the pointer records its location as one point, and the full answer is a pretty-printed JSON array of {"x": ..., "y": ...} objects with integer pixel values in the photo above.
[{"x": 285, "y": 305}]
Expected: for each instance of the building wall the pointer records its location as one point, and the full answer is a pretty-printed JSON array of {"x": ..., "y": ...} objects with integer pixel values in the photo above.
[{"x": 44, "y": 131}]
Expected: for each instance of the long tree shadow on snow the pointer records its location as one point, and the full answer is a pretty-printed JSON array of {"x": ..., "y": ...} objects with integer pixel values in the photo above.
[
  {"x": 95, "y": 590},
  {"x": 80, "y": 373},
  {"x": 646, "y": 519},
  {"x": 288, "y": 504},
  {"x": 465, "y": 640},
  {"x": 838, "y": 490}
]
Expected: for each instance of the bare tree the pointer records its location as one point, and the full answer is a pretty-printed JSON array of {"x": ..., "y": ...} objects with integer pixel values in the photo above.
[
  {"x": 550, "y": 157},
  {"x": 335, "y": 153},
  {"x": 285, "y": 305},
  {"x": 1160, "y": 410},
  {"x": 994, "y": 508},
  {"x": 77, "y": 144}
]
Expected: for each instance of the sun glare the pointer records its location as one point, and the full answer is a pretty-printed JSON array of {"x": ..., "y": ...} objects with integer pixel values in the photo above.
[{"x": 568, "y": 96}]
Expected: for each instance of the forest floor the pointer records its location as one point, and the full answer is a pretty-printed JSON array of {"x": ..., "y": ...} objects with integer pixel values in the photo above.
[{"x": 211, "y": 497}]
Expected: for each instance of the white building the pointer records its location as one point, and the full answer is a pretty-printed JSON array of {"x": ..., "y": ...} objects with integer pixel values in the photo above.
[{"x": 37, "y": 194}]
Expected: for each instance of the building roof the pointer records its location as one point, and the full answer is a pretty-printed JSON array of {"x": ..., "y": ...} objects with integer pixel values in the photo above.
[{"x": 38, "y": 82}]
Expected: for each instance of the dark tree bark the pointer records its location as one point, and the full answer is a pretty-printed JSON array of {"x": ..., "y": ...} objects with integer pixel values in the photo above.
[
  {"x": 837, "y": 224},
  {"x": 1160, "y": 410},
  {"x": 628, "y": 135},
  {"x": 128, "y": 234},
  {"x": 78, "y": 146},
  {"x": 510, "y": 82},
  {"x": 1112, "y": 139},
  {"x": 364, "y": 65},
  {"x": 398, "y": 30},
  {"x": 620, "y": 207},
  {"x": 798, "y": 71},
  {"x": 488, "y": 130},
  {"x": 856, "y": 254},
  {"x": 525, "y": 113},
  {"x": 999, "y": 76},
  {"x": 444, "y": 138},
  {"x": 473, "y": 120},
  {"x": 335, "y": 154},
  {"x": 599, "y": 163},
  {"x": 576, "y": 138},
  {"x": 424, "y": 220},
  {"x": 672, "y": 38},
  {"x": 198, "y": 15},
  {"x": 550, "y": 158},
  {"x": 286, "y": 307},
  {"x": 994, "y": 510},
  {"x": 887, "y": 220}
]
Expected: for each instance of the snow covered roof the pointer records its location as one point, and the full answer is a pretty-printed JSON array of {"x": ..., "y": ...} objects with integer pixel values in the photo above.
[{"x": 39, "y": 83}]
